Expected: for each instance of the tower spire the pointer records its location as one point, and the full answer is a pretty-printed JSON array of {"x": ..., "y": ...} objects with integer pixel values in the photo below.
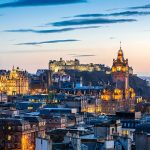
[
  {"x": 120, "y": 45},
  {"x": 13, "y": 68}
]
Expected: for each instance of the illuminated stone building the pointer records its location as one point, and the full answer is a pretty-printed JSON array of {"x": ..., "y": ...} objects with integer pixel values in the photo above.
[
  {"x": 55, "y": 66},
  {"x": 63, "y": 72},
  {"x": 14, "y": 82},
  {"x": 121, "y": 96}
]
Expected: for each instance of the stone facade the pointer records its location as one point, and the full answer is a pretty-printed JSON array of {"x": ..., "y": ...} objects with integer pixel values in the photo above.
[
  {"x": 120, "y": 96},
  {"x": 56, "y": 66},
  {"x": 14, "y": 82}
]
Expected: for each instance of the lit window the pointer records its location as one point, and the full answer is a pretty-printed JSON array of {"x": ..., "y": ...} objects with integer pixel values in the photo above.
[
  {"x": 9, "y": 128},
  {"x": 118, "y": 68},
  {"x": 9, "y": 138},
  {"x": 30, "y": 108}
]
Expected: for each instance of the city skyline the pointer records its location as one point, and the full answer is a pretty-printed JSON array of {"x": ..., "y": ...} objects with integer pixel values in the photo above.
[{"x": 32, "y": 33}]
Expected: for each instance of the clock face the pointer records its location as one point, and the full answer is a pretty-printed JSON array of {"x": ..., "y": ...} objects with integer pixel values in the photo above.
[{"x": 118, "y": 68}]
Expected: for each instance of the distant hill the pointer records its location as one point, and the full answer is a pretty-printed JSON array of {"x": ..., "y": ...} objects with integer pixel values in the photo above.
[
  {"x": 140, "y": 85},
  {"x": 100, "y": 77},
  {"x": 147, "y": 78}
]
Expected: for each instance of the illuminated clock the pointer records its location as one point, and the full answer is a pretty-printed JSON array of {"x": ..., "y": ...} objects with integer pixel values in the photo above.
[{"x": 118, "y": 68}]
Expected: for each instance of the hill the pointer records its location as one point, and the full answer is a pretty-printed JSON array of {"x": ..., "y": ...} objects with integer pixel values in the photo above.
[{"x": 100, "y": 78}]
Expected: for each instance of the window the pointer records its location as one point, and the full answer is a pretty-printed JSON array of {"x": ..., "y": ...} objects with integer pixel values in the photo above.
[
  {"x": 9, "y": 137},
  {"x": 30, "y": 108},
  {"x": 124, "y": 124},
  {"x": 113, "y": 130},
  {"x": 128, "y": 124}
]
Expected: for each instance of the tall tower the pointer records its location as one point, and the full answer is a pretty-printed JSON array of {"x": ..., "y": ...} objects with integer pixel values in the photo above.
[
  {"x": 122, "y": 96},
  {"x": 120, "y": 71}
]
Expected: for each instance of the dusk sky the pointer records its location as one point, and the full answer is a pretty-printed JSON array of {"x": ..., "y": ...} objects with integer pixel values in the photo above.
[{"x": 36, "y": 31}]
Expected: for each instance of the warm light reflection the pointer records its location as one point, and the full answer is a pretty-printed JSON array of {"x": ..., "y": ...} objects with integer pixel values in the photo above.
[
  {"x": 92, "y": 108},
  {"x": 26, "y": 143}
]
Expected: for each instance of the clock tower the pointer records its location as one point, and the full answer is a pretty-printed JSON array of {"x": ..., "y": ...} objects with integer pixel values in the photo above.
[
  {"x": 122, "y": 96},
  {"x": 120, "y": 71}
]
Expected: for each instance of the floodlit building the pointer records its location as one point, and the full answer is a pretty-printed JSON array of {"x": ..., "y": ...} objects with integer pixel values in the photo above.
[
  {"x": 14, "y": 82},
  {"x": 121, "y": 96},
  {"x": 55, "y": 66}
]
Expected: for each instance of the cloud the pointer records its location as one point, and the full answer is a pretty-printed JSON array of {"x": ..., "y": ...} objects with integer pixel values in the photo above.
[
  {"x": 124, "y": 13},
  {"x": 23, "y": 3},
  {"x": 141, "y": 7},
  {"x": 51, "y": 31},
  {"x": 112, "y": 38},
  {"x": 90, "y": 21},
  {"x": 83, "y": 55},
  {"x": 48, "y": 42},
  {"x": 25, "y": 51},
  {"x": 113, "y": 9},
  {"x": 13, "y": 51}
]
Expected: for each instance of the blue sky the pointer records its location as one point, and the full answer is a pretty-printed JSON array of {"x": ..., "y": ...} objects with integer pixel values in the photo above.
[{"x": 35, "y": 31}]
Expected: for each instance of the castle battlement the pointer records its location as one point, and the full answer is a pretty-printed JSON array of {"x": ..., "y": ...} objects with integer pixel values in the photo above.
[{"x": 61, "y": 64}]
